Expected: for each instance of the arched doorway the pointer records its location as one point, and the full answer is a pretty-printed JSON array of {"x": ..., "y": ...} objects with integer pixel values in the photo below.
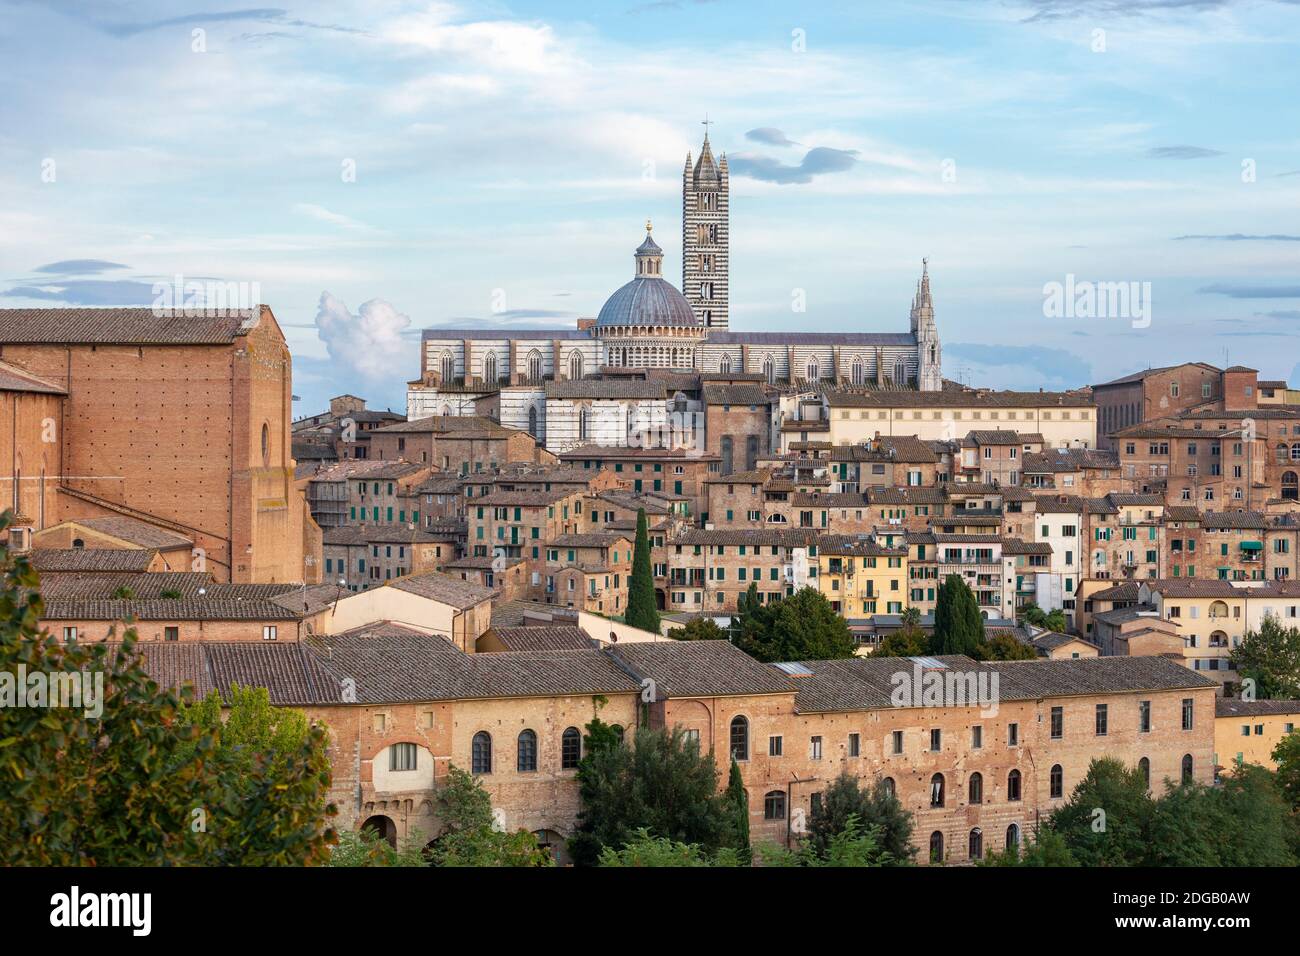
[
  {"x": 553, "y": 842},
  {"x": 383, "y": 827}
]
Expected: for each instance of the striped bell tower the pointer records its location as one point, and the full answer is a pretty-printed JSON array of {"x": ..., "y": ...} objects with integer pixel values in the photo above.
[{"x": 706, "y": 236}]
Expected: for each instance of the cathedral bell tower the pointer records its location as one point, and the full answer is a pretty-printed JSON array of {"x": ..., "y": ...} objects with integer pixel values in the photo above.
[
  {"x": 928, "y": 350},
  {"x": 706, "y": 235}
]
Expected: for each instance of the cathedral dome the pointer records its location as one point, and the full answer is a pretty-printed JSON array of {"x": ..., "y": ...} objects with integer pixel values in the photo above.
[{"x": 649, "y": 299}]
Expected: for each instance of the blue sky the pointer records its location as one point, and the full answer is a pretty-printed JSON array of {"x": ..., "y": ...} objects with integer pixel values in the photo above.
[{"x": 506, "y": 156}]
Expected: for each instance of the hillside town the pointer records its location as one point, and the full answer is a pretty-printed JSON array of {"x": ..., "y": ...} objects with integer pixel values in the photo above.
[{"x": 577, "y": 528}]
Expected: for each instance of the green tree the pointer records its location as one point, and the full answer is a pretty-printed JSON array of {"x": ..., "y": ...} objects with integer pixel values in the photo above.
[
  {"x": 958, "y": 627},
  {"x": 1118, "y": 835},
  {"x": 660, "y": 782},
  {"x": 738, "y": 804},
  {"x": 1287, "y": 757},
  {"x": 852, "y": 846},
  {"x": 252, "y": 729},
  {"x": 1047, "y": 848},
  {"x": 905, "y": 642},
  {"x": 468, "y": 838},
  {"x": 875, "y": 808},
  {"x": 643, "y": 849},
  {"x": 641, "y": 611},
  {"x": 698, "y": 629},
  {"x": 125, "y": 782},
  {"x": 1243, "y": 822},
  {"x": 1004, "y": 647},
  {"x": 368, "y": 848},
  {"x": 798, "y": 628},
  {"x": 1271, "y": 657}
]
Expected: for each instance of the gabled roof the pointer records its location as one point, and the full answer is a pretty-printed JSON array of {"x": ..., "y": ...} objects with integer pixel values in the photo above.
[
  {"x": 133, "y": 531},
  {"x": 126, "y": 326},
  {"x": 92, "y": 559},
  {"x": 15, "y": 379},
  {"x": 444, "y": 589},
  {"x": 700, "y": 669}
]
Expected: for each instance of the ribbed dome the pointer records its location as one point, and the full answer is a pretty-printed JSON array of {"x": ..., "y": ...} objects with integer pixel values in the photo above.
[{"x": 647, "y": 301}]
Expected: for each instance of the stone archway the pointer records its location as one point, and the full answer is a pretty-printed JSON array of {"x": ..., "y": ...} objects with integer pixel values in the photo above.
[{"x": 382, "y": 826}]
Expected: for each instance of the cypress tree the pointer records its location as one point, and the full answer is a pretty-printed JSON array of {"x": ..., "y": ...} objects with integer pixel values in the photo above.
[
  {"x": 641, "y": 611},
  {"x": 958, "y": 627},
  {"x": 738, "y": 802}
]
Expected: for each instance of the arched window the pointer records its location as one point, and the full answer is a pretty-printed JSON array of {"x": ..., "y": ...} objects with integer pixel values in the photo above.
[
  {"x": 1144, "y": 768},
  {"x": 575, "y": 364},
  {"x": 724, "y": 366},
  {"x": 582, "y": 424},
  {"x": 936, "y": 847},
  {"x": 1187, "y": 768},
  {"x": 534, "y": 366},
  {"x": 774, "y": 805},
  {"x": 976, "y": 788},
  {"x": 618, "y": 731},
  {"x": 490, "y": 368},
  {"x": 266, "y": 444},
  {"x": 900, "y": 372},
  {"x": 527, "y": 749},
  {"x": 740, "y": 738},
  {"x": 887, "y": 785},
  {"x": 1013, "y": 785},
  {"x": 481, "y": 753},
  {"x": 1281, "y": 452},
  {"x": 1218, "y": 609},
  {"x": 448, "y": 368},
  {"x": 1013, "y": 837},
  {"x": 813, "y": 372},
  {"x": 936, "y": 790},
  {"x": 78, "y": 543},
  {"x": 857, "y": 370},
  {"x": 769, "y": 370},
  {"x": 532, "y": 421},
  {"x": 1057, "y": 781},
  {"x": 570, "y": 749},
  {"x": 975, "y": 844}
]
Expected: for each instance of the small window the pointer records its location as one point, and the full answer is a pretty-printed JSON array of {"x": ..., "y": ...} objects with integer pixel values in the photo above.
[
  {"x": 936, "y": 790},
  {"x": 774, "y": 805},
  {"x": 527, "y": 752},
  {"x": 268, "y": 632},
  {"x": 976, "y": 788},
  {"x": 169, "y": 633},
  {"x": 402, "y": 757},
  {"x": 936, "y": 740},
  {"x": 1057, "y": 781},
  {"x": 774, "y": 745},
  {"x": 570, "y": 749},
  {"x": 897, "y": 741},
  {"x": 1013, "y": 785},
  {"x": 815, "y": 748},
  {"x": 855, "y": 745},
  {"x": 481, "y": 753},
  {"x": 70, "y": 634}
]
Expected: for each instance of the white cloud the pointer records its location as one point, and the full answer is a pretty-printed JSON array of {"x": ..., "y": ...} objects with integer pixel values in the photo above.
[{"x": 368, "y": 343}]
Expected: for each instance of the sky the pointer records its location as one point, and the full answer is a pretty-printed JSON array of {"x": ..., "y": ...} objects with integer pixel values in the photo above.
[{"x": 370, "y": 168}]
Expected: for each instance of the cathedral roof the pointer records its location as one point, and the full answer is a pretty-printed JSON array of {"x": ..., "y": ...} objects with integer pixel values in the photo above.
[
  {"x": 649, "y": 299},
  {"x": 706, "y": 170}
]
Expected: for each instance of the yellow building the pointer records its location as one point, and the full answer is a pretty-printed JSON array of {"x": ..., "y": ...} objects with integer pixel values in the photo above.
[
  {"x": 860, "y": 577},
  {"x": 1248, "y": 731}
]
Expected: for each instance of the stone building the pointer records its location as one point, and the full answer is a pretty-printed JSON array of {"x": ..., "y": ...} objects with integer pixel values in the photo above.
[{"x": 175, "y": 419}]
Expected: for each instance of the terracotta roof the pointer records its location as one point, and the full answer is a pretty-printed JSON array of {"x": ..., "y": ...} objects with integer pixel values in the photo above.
[
  {"x": 564, "y": 637},
  {"x": 607, "y": 388},
  {"x": 700, "y": 669},
  {"x": 1233, "y": 521},
  {"x": 136, "y": 532},
  {"x": 443, "y": 588},
  {"x": 1235, "y": 707},
  {"x": 743, "y": 394},
  {"x": 951, "y": 398},
  {"x": 123, "y": 326},
  {"x": 519, "y": 613},
  {"x": 92, "y": 559},
  {"x": 15, "y": 379}
]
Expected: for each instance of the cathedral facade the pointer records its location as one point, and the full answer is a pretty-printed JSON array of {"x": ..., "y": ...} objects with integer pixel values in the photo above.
[{"x": 649, "y": 324}]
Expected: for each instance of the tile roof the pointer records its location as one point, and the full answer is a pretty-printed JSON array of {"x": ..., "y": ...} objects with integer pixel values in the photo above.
[
  {"x": 743, "y": 394},
  {"x": 15, "y": 379},
  {"x": 1233, "y": 521},
  {"x": 443, "y": 588},
  {"x": 519, "y": 613},
  {"x": 1126, "y": 591},
  {"x": 1235, "y": 707},
  {"x": 125, "y": 326},
  {"x": 136, "y": 532},
  {"x": 533, "y": 637},
  {"x": 782, "y": 537},
  {"x": 952, "y": 398},
  {"x": 700, "y": 669},
  {"x": 92, "y": 559},
  {"x": 361, "y": 535},
  {"x": 607, "y": 388},
  {"x": 450, "y": 425}
]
